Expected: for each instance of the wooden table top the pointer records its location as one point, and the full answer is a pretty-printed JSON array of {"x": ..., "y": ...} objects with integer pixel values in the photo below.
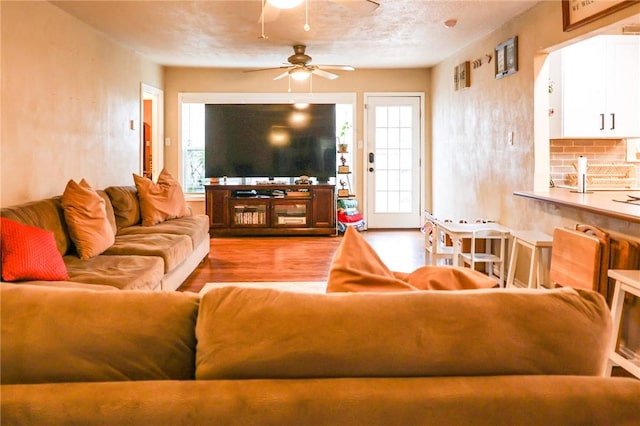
[{"x": 599, "y": 202}]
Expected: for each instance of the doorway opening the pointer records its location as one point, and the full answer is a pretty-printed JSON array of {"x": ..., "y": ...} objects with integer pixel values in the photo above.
[{"x": 151, "y": 147}]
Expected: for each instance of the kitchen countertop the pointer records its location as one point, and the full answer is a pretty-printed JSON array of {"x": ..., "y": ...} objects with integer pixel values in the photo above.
[{"x": 599, "y": 202}]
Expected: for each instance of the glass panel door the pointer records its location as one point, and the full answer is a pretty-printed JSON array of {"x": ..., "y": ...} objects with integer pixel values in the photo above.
[{"x": 393, "y": 162}]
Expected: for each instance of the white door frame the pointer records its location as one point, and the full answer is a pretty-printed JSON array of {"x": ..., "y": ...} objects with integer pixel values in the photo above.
[
  {"x": 365, "y": 150},
  {"x": 156, "y": 96}
]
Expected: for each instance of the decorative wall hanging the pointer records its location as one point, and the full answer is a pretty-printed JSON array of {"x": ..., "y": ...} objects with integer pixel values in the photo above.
[
  {"x": 576, "y": 13},
  {"x": 507, "y": 57},
  {"x": 456, "y": 77},
  {"x": 464, "y": 74},
  {"x": 484, "y": 60}
]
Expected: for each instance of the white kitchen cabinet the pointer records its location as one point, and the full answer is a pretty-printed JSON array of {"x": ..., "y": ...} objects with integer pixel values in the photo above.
[{"x": 599, "y": 85}]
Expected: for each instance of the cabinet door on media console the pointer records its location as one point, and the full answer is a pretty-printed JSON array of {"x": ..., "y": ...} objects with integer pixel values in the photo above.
[
  {"x": 249, "y": 213},
  {"x": 218, "y": 207},
  {"x": 290, "y": 213},
  {"x": 324, "y": 213}
]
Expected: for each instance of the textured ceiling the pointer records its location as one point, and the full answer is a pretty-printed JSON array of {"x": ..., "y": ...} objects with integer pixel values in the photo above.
[{"x": 226, "y": 34}]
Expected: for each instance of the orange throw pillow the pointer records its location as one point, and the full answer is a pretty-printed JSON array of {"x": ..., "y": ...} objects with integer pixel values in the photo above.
[
  {"x": 357, "y": 267},
  {"x": 160, "y": 201},
  {"x": 448, "y": 278},
  {"x": 29, "y": 253},
  {"x": 86, "y": 217}
]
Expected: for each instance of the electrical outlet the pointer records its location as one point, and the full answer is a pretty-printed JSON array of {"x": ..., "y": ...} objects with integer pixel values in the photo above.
[{"x": 510, "y": 138}]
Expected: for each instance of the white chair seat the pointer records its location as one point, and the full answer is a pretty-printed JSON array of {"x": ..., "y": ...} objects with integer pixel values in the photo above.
[
  {"x": 435, "y": 242},
  {"x": 480, "y": 257}
]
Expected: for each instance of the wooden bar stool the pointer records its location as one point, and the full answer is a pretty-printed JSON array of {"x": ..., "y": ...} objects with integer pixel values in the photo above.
[
  {"x": 535, "y": 241},
  {"x": 575, "y": 259}
]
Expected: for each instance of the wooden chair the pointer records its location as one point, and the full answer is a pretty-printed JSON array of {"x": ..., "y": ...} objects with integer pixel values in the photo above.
[
  {"x": 575, "y": 259},
  {"x": 605, "y": 247},
  {"x": 618, "y": 253},
  {"x": 435, "y": 242},
  {"x": 623, "y": 254},
  {"x": 487, "y": 247}
]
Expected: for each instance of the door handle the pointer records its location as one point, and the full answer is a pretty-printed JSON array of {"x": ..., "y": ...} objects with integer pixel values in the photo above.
[
  {"x": 613, "y": 121},
  {"x": 371, "y": 157},
  {"x": 601, "y": 121},
  {"x": 370, "y": 169}
]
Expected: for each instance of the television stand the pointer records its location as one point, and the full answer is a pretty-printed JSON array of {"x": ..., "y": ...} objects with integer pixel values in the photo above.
[{"x": 274, "y": 209}]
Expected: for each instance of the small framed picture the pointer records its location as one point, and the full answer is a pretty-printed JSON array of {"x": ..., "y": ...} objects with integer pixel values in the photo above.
[
  {"x": 578, "y": 13},
  {"x": 507, "y": 57},
  {"x": 464, "y": 77},
  {"x": 456, "y": 78}
]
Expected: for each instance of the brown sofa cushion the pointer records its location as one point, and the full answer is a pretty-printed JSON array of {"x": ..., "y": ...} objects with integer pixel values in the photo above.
[
  {"x": 124, "y": 272},
  {"x": 357, "y": 267},
  {"x": 416, "y": 401},
  {"x": 160, "y": 201},
  {"x": 173, "y": 249},
  {"x": 46, "y": 214},
  {"x": 87, "y": 221},
  {"x": 247, "y": 333},
  {"x": 126, "y": 205},
  {"x": 67, "y": 335},
  {"x": 195, "y": 226},
  {"x": 109, "y": 210}
]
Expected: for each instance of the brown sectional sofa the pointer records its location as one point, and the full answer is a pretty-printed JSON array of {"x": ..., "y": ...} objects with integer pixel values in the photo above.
[
  {"x": 243, "y": 356},
  {"x": 157, "y": 257}
]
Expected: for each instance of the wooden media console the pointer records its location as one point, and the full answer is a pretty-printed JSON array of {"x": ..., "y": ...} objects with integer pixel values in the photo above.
[{"x": 271, "y": 209}]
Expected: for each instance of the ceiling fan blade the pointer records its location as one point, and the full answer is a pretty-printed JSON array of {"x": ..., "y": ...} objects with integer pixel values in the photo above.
[
  {"x": 337, "y": 67},
  {"x": 325, "y": 74},
  {"x": 281, "y": 76},
  {"x": 267, "y": 69},
  {"x": 360, "y": 6}
]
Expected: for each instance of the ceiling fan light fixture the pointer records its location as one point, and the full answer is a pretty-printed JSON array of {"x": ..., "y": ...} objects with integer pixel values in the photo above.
[
  {"x": 285, "y": 4},
  {"x": 300, "y": 74}
]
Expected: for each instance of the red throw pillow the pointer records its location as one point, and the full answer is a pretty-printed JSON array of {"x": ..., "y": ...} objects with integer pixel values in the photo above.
[{"x": 29, "y": 253}]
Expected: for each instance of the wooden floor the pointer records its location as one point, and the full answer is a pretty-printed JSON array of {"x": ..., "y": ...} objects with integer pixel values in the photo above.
[{"x": 304, "y": 258}]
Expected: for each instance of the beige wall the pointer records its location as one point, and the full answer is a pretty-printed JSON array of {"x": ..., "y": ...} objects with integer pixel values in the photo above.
[
  {"x": 68, "y": 94},
  {"x": 475, "y": 171}
]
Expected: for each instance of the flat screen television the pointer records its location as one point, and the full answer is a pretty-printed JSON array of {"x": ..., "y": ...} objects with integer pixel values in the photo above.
[{"x": 270, "y": 140}]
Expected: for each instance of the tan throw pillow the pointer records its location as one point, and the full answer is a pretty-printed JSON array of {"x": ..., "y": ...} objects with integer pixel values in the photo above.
[
  {"x": 357, "y": 267},
  {"x": 160, "y": 201},
  {"x": 86, "y": 217}
]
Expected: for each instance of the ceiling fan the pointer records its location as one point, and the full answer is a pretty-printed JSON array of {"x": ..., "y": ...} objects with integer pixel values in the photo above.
[{"x": 300, "y": 69}]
